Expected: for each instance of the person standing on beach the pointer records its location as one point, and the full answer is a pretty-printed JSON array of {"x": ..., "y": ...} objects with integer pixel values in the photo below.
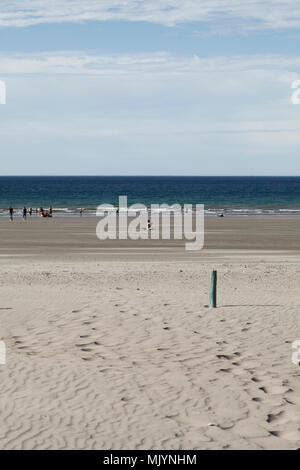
[
  {"x": 11, "y": 214},
  {"x": 81, "y": 212},
  {"x": 24, "y": 213}
]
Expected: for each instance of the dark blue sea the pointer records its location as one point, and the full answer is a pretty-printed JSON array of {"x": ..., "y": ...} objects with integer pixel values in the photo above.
[{"x": 231, "y": 195}]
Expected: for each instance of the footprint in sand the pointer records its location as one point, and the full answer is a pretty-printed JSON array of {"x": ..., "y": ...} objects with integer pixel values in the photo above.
[
  {"x": 255, "y": 379},
  {"x": 224, "y": 356},
  {"x": 287, "y": 435},
  {"x": 225, "y": 370},
  {"x": 274, "y": 417}
]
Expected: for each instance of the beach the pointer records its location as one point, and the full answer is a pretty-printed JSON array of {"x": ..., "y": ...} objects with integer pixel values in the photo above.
[
  {"x": 111, "y": 344},
  {"x": 149, "y": 228},
  {"x": 74, "y": 239}
]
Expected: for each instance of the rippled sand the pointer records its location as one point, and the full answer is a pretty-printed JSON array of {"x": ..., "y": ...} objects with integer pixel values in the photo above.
[
  {"x": 112, "y": 345},
  {"x": 127, "y": 355}
]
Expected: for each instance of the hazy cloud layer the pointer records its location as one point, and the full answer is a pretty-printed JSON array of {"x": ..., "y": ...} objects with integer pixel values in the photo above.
[
  {"x": 159, "y": 63},
  {"x": 248, "y": 15},
  {"x": 149, "y": 114}
]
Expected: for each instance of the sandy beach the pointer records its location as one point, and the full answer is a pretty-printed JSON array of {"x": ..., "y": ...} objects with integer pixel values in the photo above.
[{"x": 111, "y": 345}]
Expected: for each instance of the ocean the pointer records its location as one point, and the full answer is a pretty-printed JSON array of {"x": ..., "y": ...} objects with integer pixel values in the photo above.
[{"x": 228, "y": 195}]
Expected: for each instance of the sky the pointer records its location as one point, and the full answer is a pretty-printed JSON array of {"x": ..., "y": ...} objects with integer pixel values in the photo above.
[{"x": 149, "y": 87}]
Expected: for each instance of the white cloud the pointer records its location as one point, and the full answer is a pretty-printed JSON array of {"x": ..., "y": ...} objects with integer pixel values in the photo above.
[
  {"x": 106, "y": 96},
  {"x": 159, "y": 63},
  {"x": 249, "y": 15},
  {"x": 107, "y": 109}
]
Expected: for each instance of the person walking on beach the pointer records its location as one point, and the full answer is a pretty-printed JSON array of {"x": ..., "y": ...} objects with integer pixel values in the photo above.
[
  {"x": 24, "y": 213},
  {"x": 11, "y": 214},
  {"x": 81, "y": 212}
]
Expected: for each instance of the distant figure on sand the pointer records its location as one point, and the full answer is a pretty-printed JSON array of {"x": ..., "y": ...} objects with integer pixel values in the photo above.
[
  {"x": 50, "y": 211},
  {"x": 11, "y": 214},
  {"x": 30, "y": 211},
  {"x": 149, "y": 225},
  {"x": 81, "y": 212},
  {"x": 24, "y": 213}
]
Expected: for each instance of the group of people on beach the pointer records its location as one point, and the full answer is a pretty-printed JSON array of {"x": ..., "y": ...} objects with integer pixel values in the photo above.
[
  {"x": 26, "y": 212},
  {"x": 41, "y": 211}
]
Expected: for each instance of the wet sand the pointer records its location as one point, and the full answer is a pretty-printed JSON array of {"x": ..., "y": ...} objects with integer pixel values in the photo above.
[{"x": 74, "y": 239}]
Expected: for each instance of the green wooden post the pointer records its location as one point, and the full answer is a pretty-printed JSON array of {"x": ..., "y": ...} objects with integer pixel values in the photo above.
[{"x": 213, "y": 290}]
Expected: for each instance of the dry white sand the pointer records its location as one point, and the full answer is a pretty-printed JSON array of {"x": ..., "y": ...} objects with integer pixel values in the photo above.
[{"x": 122, "y": 355}]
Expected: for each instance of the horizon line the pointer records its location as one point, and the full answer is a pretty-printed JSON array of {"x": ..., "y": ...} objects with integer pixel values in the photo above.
[{"x": 147, "y": 176}]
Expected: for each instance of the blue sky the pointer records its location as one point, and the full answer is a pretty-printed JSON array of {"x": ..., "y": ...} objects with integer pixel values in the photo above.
[{"x": 149, "y": 87}]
